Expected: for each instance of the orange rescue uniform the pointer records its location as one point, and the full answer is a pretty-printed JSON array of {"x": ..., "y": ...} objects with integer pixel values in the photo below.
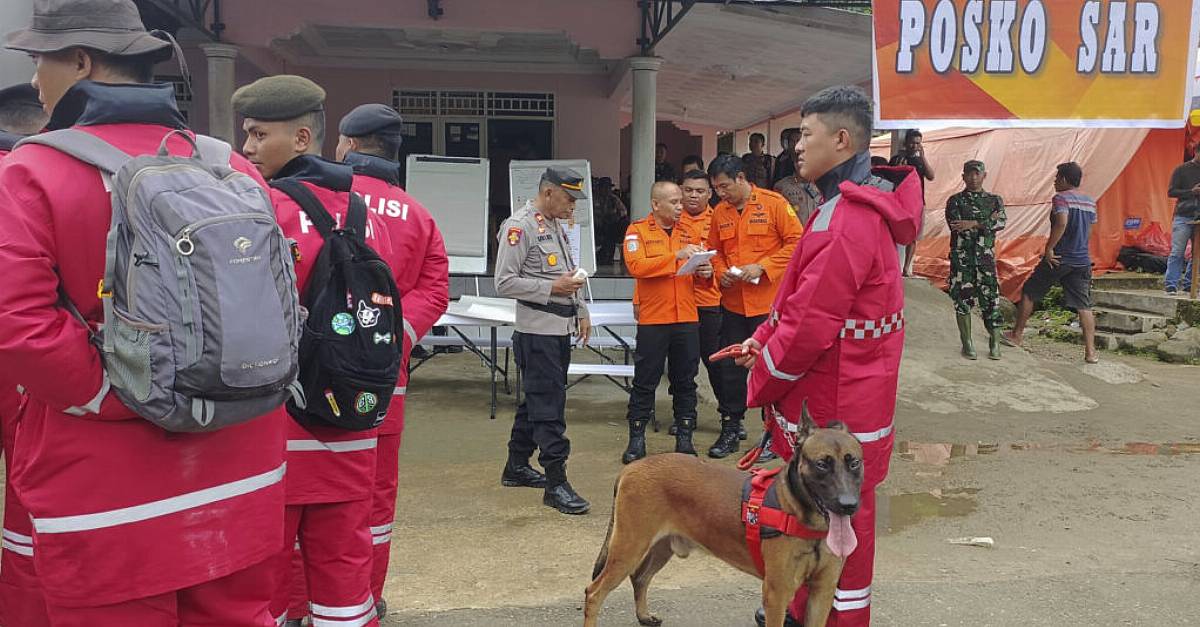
[
  {"x": 650, "y": 251},
  {"x": 708, "y": 291},
  {"x": 765, "y": 233}
]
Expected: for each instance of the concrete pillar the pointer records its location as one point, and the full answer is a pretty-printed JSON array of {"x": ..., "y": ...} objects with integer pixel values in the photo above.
[
  {"x": 645, "y": 103},
  {"x": 221, "y": 60}
]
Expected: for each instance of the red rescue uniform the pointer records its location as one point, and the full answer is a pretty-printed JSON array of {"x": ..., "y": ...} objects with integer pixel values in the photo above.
[
  {"x": 330, "y": 471},
  {"x": 21, "y": 599},
  {"x": 131, "y": 524},
  {"x": 422, "y": 272},
  {"x": 834, "y": 338}
]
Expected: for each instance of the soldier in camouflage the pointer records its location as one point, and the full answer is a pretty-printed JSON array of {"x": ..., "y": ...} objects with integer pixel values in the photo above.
[{"x": 975, "y": 216}]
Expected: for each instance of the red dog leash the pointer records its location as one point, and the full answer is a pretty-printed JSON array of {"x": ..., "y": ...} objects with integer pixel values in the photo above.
[{"x": 732, "y": 351}]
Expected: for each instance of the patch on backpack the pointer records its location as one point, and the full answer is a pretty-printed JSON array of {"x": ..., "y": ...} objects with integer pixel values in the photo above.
[
  {"x": 343, "y": 324},
  {"x": 365, "y": 402},
  {"x": 381, "y": 299},
  {"x": 367, "y": 316}
]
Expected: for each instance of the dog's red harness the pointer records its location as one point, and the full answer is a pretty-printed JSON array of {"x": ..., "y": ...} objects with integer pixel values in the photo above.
[{"x": 759, "y": 510}]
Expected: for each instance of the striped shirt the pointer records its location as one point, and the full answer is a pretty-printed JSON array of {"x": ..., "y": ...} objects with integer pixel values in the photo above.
[{"x": 1072, "y": 249}]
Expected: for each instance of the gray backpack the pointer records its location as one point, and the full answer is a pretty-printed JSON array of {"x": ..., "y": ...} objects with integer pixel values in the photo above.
[{"x": 201, "y": 316}]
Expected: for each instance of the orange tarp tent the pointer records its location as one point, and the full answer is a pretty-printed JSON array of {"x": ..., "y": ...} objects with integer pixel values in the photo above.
[{"x": 1127, "y": 170}]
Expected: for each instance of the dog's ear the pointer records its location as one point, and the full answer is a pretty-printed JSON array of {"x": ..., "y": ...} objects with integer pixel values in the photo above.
[
  {"x": 807, "y": 424},
  {"x": 838, "y": 425}
]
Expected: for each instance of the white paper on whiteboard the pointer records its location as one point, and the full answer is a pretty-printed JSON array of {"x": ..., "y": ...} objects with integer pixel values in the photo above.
[
  {"x": 695, "y": 261},
  {"x": 455, "y": 191}
]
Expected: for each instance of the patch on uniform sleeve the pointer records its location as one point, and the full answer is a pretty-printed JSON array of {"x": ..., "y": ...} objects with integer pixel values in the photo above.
[
  {"x": 514, "y": 235},
  {"x": 792, "y": 212},
  {"x": 631, "y": 243}
]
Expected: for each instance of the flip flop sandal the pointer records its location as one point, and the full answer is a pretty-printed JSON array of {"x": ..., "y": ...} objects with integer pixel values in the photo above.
[{"x": 1007, "y": 342}]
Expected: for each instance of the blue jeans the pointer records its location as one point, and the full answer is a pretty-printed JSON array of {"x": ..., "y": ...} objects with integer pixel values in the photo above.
[{"x": 1181, "y": 234}]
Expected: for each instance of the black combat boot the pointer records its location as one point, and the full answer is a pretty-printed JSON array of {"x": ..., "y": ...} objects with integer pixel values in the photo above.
[
  {"x": 559, "y": 494},
  {"x": 742, "y": 435},
  {"x": 683, "y": 436},
  {"x": 727, "y": 443},
  {"x": 637, "y": 442},
  {"x": 519, "y": 474},
  {"x": 760, "y": 618},
  {"x": 766, "y": 454}
]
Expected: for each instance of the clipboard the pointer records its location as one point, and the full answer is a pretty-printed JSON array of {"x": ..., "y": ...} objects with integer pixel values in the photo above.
[{"x": 696, "y": 261}]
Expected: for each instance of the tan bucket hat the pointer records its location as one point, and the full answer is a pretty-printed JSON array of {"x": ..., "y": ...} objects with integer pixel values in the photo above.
[{"x": 110, "y": 26}]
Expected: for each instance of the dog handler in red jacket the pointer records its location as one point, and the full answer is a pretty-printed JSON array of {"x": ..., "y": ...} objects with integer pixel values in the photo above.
[{"x": 835, "y": 334}]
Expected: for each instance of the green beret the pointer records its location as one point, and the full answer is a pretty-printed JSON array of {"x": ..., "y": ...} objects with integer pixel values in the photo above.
[{"x": 282, "y": 97}]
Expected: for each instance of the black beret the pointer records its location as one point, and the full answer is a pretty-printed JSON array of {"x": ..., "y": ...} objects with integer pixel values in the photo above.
[
  {"x": 281, "y": 97},
  {"x": 370, "y": 119},
  {"x": 20, "y": 94}
]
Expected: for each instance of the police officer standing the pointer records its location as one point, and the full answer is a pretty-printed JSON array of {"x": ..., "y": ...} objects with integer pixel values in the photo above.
[{"x": 534, "y": 265}]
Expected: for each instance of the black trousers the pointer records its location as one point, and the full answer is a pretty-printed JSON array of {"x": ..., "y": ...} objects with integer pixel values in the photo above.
[
  {"x": 735, "y": 328},
  {"x": 658, "y": 345},
  {"x": 710, "y": 342},
  {"x": 540, "y": 422}
]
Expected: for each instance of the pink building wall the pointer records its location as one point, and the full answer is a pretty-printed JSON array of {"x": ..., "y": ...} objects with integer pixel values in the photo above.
[{"x": 611, "y": 27}]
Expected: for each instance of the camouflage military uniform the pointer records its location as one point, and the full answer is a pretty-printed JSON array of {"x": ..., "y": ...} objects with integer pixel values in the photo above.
[{"x": 973, "y": 254}]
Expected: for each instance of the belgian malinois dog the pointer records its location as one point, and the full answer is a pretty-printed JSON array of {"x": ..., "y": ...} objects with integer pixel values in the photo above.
[{"x": 667, "y": 505}]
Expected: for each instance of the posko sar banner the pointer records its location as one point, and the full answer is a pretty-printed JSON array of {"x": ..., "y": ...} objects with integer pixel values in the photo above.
[{"x": 1008, "y": 63}]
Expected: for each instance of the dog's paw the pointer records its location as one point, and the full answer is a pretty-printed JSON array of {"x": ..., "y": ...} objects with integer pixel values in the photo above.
[{"x": 650, "y": 620}]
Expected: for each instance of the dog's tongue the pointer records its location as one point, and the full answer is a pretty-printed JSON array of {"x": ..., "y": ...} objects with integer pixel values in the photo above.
[{"x": 841, "y": 539}]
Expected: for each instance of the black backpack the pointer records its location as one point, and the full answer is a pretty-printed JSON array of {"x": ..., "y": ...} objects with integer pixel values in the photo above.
[{"x": 350, "y": 347}]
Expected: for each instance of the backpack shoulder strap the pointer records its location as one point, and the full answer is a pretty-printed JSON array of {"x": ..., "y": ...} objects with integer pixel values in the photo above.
[
  {"x": 83, "y": 146},
  {"x": 356, "y": 217},
  {"x": 213, "y": 151},
  {"x": 309, "y": 204}
]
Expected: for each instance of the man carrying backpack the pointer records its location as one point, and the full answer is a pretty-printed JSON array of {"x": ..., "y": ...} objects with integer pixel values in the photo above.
[
  {"x": 134, "y": 525},
  {"x": 21, "y": 601},
  {"x": 331, "y": 464},
  {"x": 369, "y": 141}
]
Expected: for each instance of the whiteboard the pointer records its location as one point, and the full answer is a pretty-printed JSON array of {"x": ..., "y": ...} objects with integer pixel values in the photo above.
[
  {"x": 455, "y": 191},
  {"x": 523, "y": 180}
]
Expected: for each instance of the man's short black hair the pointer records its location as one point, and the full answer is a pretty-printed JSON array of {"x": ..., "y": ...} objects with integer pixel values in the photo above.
[
  {"x": 386, "y": 145},
  {"x": 878, "y": 161},
  {"x": 659, "y": 145},
  {"x": 759, "y": 136},
  {"x": 912, "y": 134},
  {"x": 728, "y": 165},
  {"x": 843, "y": 106},
  {"x": 692, "y": 159},
  {"x": 787, "y": 132},
  {"x": 137, "y": 68},
  {"x": 20, "y": 111},
  {"x": 1071, "y": 173},
  {"x": 694, "y": 175}
]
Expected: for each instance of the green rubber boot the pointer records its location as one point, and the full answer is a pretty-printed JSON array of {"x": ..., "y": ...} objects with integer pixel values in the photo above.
[
  {"x": 964, "y": 334},
  {"x": 994, "y": 344}
]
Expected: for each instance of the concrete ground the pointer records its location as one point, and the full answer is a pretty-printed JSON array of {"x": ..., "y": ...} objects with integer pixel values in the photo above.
[{"x": 1084, "y": 476}]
